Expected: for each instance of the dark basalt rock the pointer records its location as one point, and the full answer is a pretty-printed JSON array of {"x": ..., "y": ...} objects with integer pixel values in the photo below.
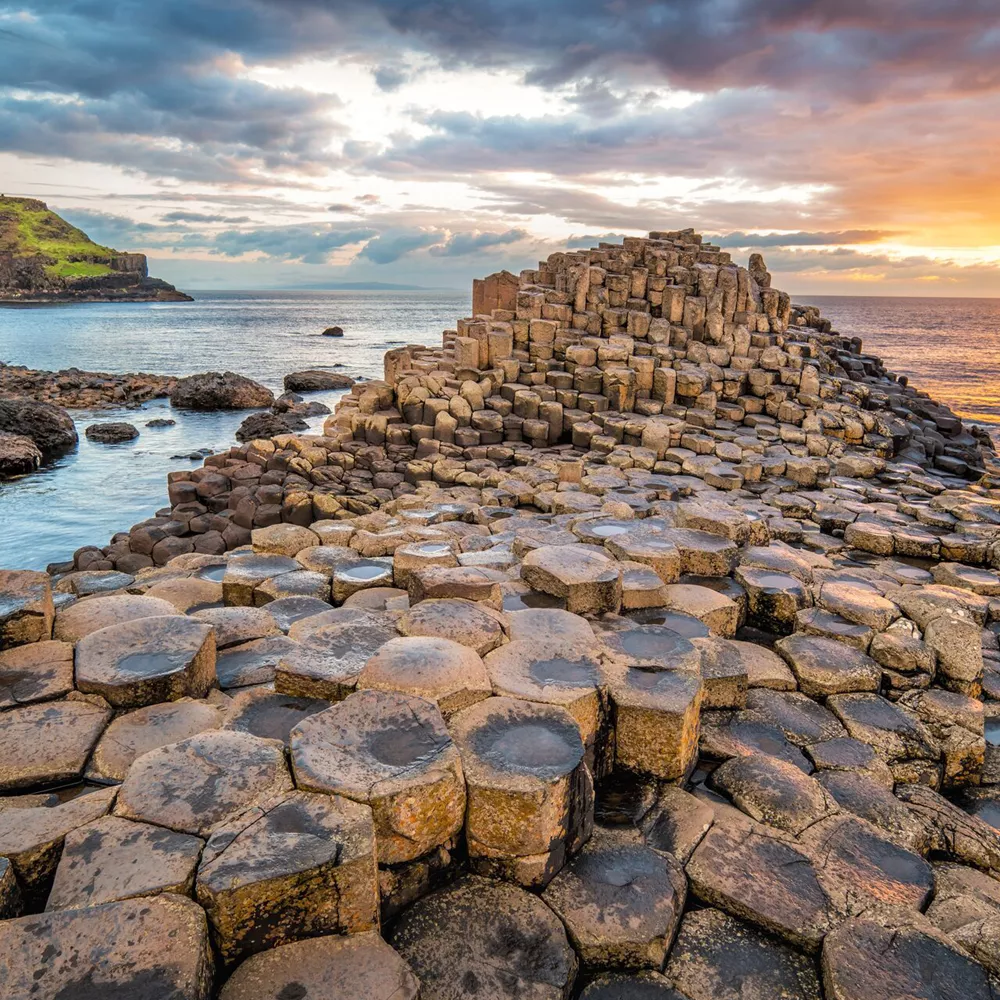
[
  {"x": 316, "y": 380},
  {"x": 333, "y": 331},
  {"x": 19, "y": 455},
  {"x": 111, "y": 433},
  {"x": 49, "y": 426},
  {"x": 454, "y": 938},
  {"x": 268, "y": 425},
  {"x": 219, "y": 391}
]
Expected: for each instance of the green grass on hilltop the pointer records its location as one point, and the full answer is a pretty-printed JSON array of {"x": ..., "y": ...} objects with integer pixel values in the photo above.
[{"x": 28, "y": 228}]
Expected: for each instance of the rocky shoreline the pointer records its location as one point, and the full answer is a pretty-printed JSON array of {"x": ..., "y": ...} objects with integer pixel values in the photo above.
[{"x": 641, "y": 641}]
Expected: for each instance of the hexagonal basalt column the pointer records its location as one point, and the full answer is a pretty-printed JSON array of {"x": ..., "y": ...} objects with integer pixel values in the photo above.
[
  {"x": 656, "y": 719},
  {"x": 468, "y": 622},
  {"x": 620, "y": 901},
  {"x": 26, "y": 611},
  {"x": 530, "y": 795},
  {"x": 440, "y": 670},
  {"x": 570, "y": 678},
  {"x": 586, "y": 577},
  {"x": 290, "y": 868},
  {"x": 244, "y": 573},
  {"x": 350, "y": 578},
  {"x": 773, "y": 599},
  {"x": 194, "y": 785},
  {"x": 356, "y": 967},
  {"x": 392, "y": 752},
  {"x": 147, "y": 661}
]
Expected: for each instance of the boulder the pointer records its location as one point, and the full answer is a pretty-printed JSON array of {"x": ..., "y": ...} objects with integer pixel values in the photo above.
[
  {"x": 49, "y": 426},
  {"x": 317, "y": 380},
  {"x": 19, "y": 455},
  {"x": 333, "y": 331},
  {"x": 268, "y": 425},
  {"x": 112, "y": 433},
  {"x": 219, "y": 391}
]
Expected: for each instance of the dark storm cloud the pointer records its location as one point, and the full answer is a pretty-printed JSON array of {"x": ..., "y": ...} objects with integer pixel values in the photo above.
[{"x": 462, "y": 244}]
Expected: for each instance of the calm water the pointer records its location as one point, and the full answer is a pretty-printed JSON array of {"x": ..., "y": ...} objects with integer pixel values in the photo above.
[
  {"x": 85, "y": 497},
  {"x": 950, "y": 347}
]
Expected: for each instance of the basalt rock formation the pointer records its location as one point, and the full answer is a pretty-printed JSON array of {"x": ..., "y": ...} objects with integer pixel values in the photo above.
[
  {"x": 45, "y": 259},
  {"x": 640, "y": 641}
]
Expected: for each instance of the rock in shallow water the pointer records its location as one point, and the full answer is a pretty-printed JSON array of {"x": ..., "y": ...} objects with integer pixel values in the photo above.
[{"x": 111, "y": 433}]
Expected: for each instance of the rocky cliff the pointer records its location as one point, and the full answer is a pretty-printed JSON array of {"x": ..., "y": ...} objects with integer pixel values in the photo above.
[{"x": 45, "y": 259}]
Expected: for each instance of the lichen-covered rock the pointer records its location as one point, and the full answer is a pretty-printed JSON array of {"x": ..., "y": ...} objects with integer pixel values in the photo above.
[
  {"x": 452, "y": 941},
  {"x": 289, "y": 867},
  {"x": 139, "y": 948}
]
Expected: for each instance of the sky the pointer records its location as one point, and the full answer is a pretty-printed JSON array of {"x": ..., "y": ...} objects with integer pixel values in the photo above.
[{"x": 297, "y": 143}]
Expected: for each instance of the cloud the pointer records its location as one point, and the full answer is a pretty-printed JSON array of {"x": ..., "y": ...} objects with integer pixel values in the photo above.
[
  {"x": 847, "y": 236},
  {"x": 389, "y": 247},
  {"x": 306, "y": 244},
  {"x": 390, "y": 78},
  {"x": 181, "y": 216},
  {"x": 462, "y": 244},
  {"x": 586, "y": 242}
]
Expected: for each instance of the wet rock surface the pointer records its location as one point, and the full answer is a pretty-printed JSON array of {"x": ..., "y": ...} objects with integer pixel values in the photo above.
[{"x": 648, "y": 629}]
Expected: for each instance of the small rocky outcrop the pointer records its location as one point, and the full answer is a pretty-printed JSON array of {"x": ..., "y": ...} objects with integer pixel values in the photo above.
[
  {"x": 268, "y": 425},
  {"x": 49, "y": 426},
  {"x": 316, "y": 380},
  {"x": 74, "y": 388},
  {"x": 115, "y": 432},
  {"x": 220, "y": 391},
  {"x": 333, "y": 331},
  {"x": 19, "y": 455}
]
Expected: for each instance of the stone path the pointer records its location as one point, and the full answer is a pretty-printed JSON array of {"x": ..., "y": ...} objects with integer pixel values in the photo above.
[{"x": 643, "y": 641}]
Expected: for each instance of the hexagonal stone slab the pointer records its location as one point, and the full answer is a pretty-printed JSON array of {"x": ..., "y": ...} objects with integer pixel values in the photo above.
[
  {"x": 773, "y": 791},
  {"x": 472, "y": 624},
  {"x": 825, "y": 666},
  {"x": 773, "y": 599},
  {"x": 49, "y": 742},
  {"x": 296, "y": 866},
  {"x": 31, "y": 836},
  {"x": 858, "y": 866},
  {"x": 300, "y": 583},
  {"x": 572, "y": 679},
  {"x": 238, "y": 625},
  {"x": 113, "y": 858},
  {"x": 488, "y": 939},
  {"x": 253, "y": 662},
  {"x": 860, "y": 604},
  {"x": 898, "y": 953},
  {"x": 135, "y": 733},
  {"x": 648, "y": 549},
  {"x": 39, "y": 671},
  {"x": 717, "y": 957},
  {"x": 194, "y": 785},
  {"x": 702, "y": 553},
  {"x": 391, "y": 752},
  {"x": 283, "y": 539},
  {"x": 724, "y": 736},
  {"x": 83, "y": 617},
  {"x": 551, "y": 628},
  {"x": 143, "y": 949},
  {"x": 530, "y": 796},
  {"x": 440, "y": 670},
  {"x": 147, "y": 661},
  {"x": 892, "y": 733},
  {"x": 620, "y": 901},
  {"x": 328, "y": 661},
  {"x": 656, "y": 716},
  {"x": 270, "y": 714},
  {"x": 358, "y": 967},
  {"x": 751, "y": 874},
  {"x": 589, "y": 581},
  {"x": 802, "y": 720},
  {"x": 26, "y": 611},
  {"x": 351, "y": 578},
  {"x": 245, "y": 572},
  {"x": 676, "y": 822}
]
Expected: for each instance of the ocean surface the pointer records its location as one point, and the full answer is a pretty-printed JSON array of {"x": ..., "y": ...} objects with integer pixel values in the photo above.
[{"x": 950, "y": 347}]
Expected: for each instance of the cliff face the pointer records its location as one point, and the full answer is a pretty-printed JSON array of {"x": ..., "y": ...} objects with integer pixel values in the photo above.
[{"x": 45, "y": 259}]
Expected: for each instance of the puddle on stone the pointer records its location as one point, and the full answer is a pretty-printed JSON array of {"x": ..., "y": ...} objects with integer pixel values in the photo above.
[
  {"x": 213, "y": 573},
  {"x": 647, "y": 680},
  {"x": 286, "y": 611},
  {"x": 152, "y": 664},
  {"x": 363, "y": 571},
  {"x": 609, "y": 529},
  {"x": 652, "y": 642},
  {"x": 993, "y": 732},
  {"x": 275, "y": 717},
  {"x": 432, "y": 549},
  {"x": 532, "y": 599},
  {"x": 405, "y": 746},
  {"x": 775, "y": 581},
  {"x": 568, "y": 673},
  {"x": 684, "y": 625},
  {"x": 543, "y": 749}
]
